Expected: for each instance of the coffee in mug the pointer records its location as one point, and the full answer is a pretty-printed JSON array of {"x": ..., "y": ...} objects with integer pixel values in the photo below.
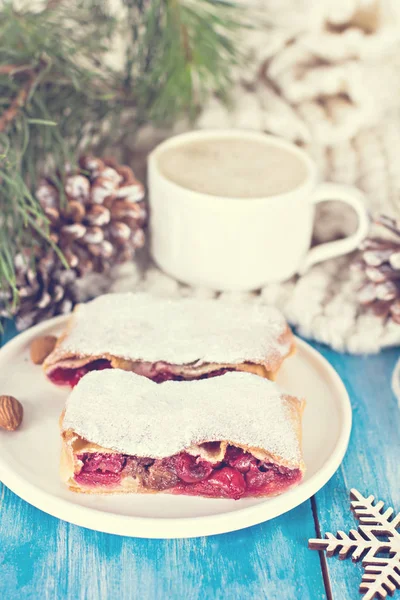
[
  {"x": 244, "y": 168},
  {"x": 234, "y": 210}
]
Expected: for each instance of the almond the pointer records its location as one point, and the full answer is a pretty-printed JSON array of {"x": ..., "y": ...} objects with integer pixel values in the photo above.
[
  {"x": 11, "y": 413},
  {"x": 41, "y": 348}
]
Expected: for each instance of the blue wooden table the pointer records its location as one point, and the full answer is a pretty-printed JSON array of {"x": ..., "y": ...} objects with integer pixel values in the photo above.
[{"x": 47, "y": 559}]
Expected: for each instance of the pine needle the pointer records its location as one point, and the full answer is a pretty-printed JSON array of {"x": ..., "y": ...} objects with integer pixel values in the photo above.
[{"x": 57, "y": 95}]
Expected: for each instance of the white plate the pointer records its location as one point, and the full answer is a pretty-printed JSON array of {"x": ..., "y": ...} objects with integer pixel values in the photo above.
[{"x": 29, "y": 457}]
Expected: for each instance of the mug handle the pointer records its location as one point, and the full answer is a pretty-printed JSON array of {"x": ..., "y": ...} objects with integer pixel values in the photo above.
[{"x": 354, "y": 198}]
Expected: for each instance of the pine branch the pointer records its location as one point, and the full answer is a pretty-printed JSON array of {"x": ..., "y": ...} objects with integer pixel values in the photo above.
[
  {"x": 181, "y": 51},
  {"x": 45, "y": 95},
  {"x": 58, "y": 97},
  {"x": 9, "y": 115}
]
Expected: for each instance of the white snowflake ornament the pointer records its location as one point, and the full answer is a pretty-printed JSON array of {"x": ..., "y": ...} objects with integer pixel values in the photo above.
[{"x": 378, "y": 533}]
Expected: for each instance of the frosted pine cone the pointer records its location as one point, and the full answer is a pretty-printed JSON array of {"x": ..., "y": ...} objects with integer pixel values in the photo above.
[
  {"x": 380, "y": 261},
  {"x": 97, "y": 218},
  {"x": 44, "y": 291}
]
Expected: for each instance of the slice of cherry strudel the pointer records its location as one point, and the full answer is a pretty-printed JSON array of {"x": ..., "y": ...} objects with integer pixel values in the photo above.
[
  {"x": 169, "y": 339},
  {"x": 232, "y": 436}
]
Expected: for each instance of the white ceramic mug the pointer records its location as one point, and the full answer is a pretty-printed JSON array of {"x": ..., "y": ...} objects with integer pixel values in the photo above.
[{"x": 227, "y": 243}]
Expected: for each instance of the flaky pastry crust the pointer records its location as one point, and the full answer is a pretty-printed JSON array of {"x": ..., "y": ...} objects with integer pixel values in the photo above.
[
  {"x": 74, "y": 445},
  {"x": 268, "y": 368}
]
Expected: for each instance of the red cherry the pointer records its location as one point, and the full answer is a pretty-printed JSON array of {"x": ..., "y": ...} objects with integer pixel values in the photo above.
[
  {"x": 188, "y": 468},
  {"x": 239, "y": 459},
  {"x": 227, "y": 482},
  {"x": 71, "y": 377},
  {"x": 96, "y": 461},
  {"x": 61, "y": 376},
  {"x": 76, "y": 375}
]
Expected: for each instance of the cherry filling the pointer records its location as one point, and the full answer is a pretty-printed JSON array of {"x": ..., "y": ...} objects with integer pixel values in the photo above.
[
  {"x": 187, "y": 468},
  {"x": 166, "y": 375},
  {"x": 101, "y": 469},
  {"x": 157, "y": 373},
  {"x": 238, "y": 475},
  {"x": 61, "y": 376}
]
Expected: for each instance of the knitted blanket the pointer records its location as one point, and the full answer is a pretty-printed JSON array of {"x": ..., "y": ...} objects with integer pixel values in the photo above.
[{"x": 326, "y": 75}]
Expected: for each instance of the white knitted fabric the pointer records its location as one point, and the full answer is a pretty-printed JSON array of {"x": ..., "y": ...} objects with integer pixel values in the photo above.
[
  {"x": 326, "y": 75},
  {"x": 396, "y": 381}
]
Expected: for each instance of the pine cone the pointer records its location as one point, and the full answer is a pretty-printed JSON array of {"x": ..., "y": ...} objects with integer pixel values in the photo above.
[
  {"x": 44, "y": 291},
  {"x": 380, "y": 262},
  {"x": 97, "y": 218}
]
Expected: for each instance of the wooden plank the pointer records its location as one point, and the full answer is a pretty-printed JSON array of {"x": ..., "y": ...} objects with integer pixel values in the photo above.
[
  {"x": 372, "y": 463},
  {"x": 42, "y": 557},
  {"x": 9, "y": 331}
]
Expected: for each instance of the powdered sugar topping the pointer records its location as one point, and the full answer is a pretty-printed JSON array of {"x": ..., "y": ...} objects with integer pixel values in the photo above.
[
  {"x": 145, "y": 327},
  {"x": 131, "y": 414}
]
